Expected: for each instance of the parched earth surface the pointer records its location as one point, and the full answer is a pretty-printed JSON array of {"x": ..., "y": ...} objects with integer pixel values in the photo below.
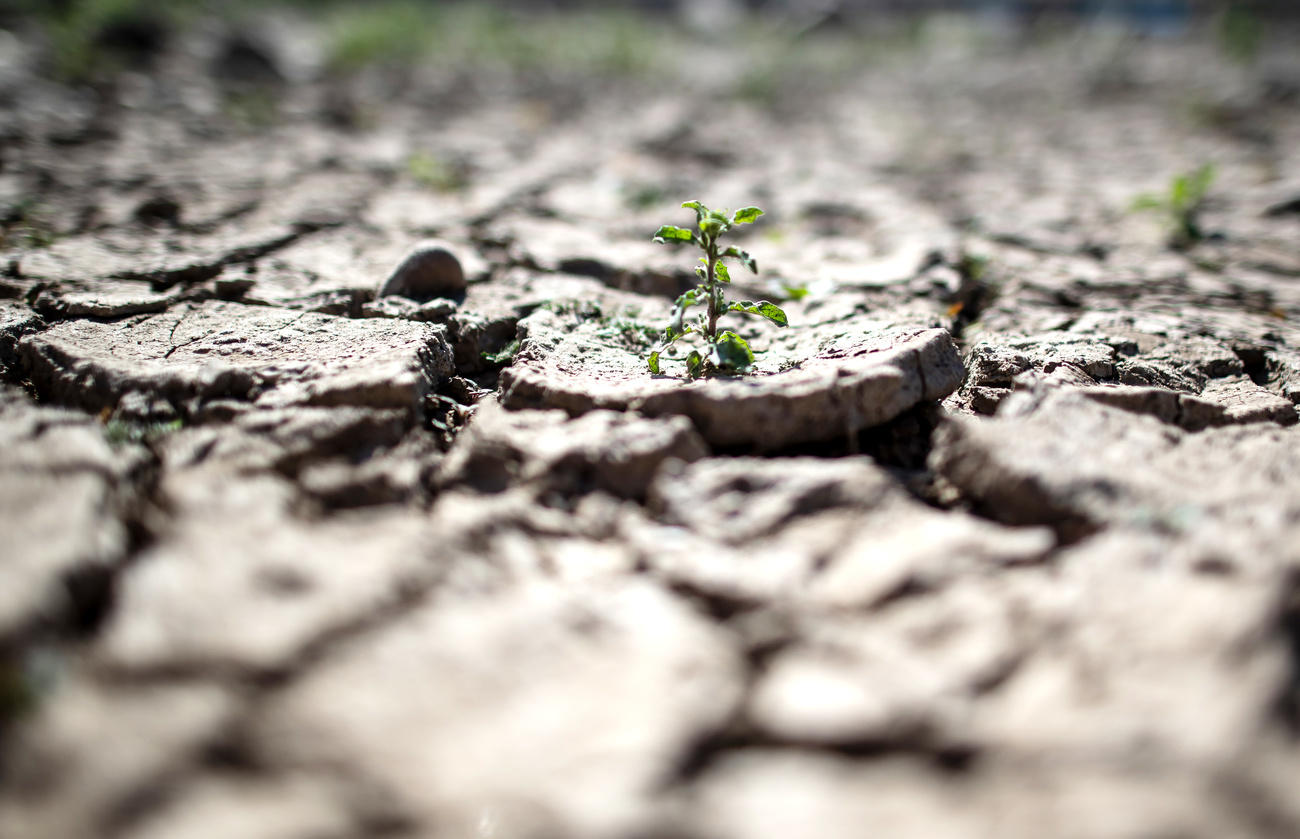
[{"x": 1002, "y": 537}]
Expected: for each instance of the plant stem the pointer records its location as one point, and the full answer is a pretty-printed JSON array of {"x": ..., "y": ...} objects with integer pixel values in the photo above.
[{"x": 714, "y": 314}]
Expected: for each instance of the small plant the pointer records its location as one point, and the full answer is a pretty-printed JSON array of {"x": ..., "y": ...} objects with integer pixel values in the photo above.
[
  {"x": 726, "y": 351},
  {"x": 395, "y": 33},
  {"x": 1241, "y": 33},
  {"x": 629, "y": 332},
  {"x": 794, "y": 291},
  {"x": 505, "y": 355},
  {"x": 434, "y": 173},
  {"x": 120, "y": 432},
  {"x": 26, "y": 226},
  {"x": 26, "y": 678},
  {"x": 1181, "y": 205},
  {"x": 90, "y": 38}
]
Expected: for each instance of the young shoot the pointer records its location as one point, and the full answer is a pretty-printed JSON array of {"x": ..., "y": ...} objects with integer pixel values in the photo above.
[
  {"x": 724, "y": 351},
  {"x": 1181, "y": 205}
]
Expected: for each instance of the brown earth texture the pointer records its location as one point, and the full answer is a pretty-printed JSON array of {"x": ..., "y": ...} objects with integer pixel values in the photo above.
[{"x": 337, "y": 499}]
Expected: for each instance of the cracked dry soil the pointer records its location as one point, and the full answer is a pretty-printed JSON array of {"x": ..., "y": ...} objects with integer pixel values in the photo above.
[{"x": 1004, "y": 552}]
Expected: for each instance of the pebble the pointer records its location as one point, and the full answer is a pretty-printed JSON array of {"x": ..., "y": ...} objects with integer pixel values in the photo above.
[{"x": 429, "y": 270}]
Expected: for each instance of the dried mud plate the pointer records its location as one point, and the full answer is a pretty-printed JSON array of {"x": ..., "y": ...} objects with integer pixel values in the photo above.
[{"x": 812, "y": 383}]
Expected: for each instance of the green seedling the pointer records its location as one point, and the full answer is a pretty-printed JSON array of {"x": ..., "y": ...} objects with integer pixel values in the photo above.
[
  {"x": 120, "y": 432},
  {"x": 1241, "y": 33},
  {"x": 26, "y": 678},
  {"x": 642, "y": 196},
  {"x": 505, "y": 355},
  {"x": 795, "y": 291},
  {"x": 725, "y": 351},
  {"x": 1181, "y": 205},
  {"x": 394, "y": 32},
  {"x": 26, "y": 226},
  {"x": 433, "y": 173},
  {"x": 80, "y": 33},
  {"x": 629, "y": 332}
]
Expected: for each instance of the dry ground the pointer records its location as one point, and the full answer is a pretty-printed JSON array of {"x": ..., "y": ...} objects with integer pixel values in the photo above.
[{"x": 1000, "y": 541}]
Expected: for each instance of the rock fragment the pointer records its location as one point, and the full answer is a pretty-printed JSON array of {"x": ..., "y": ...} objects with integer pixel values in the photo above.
[
  {"x": 614, "y": 452},
  {"x": 555, "y": 709},
  {"x": 217, "y": 805},
  {"x": 91, "y": 747},
  {"x": 1060, "y": 458},
  {"x": 429, "y": 270},
  {"x": 102, "y": 298},
  {"x": 159, "y": 210},
  {"x": 771, "y": 793},
  {"x": 438, "y": 310},
  {"x": 206, "y": 597},
  {"x": 486, "y": 322},
  {"x": 16, "y": 320},
  {"x": 1218, "y": 367},
  {"x": 194, "y": 354},
  {"x": 64, "y": 496},
  {"x": 1222, "y": 402},
  {"x": 153, "y": 258},
  {"x": 814, "y": 384},
  {"x": 628, "y": 264},
  {"x": 243, "y": 59},
  {"x": 842, "y": 534}
]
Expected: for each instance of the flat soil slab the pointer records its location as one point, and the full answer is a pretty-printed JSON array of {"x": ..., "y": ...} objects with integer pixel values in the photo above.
[
  {"x": 231, "y": 351},
  {"x": 815, "y": 384}
]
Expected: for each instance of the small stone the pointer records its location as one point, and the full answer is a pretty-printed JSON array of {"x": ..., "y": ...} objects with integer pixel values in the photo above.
[
  {"x": 244, "y": 60},
  {"x": 232, "y": 287},
  {"x": 159, "y": 211},
  {"x": 430, "y": 270}
]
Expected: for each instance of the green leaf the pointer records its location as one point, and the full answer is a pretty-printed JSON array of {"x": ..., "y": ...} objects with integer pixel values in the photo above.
[
  {"x": 712, "y": 225},
  {"x": 795, "y": 292},
  {"x": 1146, "y": 202},
  {"x": 694, "y": 364},
  {"x": 505, "y": 356},
  {"x": 732, "y": 352},
  {"x": 692, "y": 297},
  {"x": 746, "y": 215},
  {"x": 745, "y": 259},
  {"x": 675, "y": 235},
  {"x": 675, "y": 322},
  {"x": 720, "y": 271},
  {"x": 672, "y": 334},
  {"x": 773, "y": 312},
  {"x": 653, "y": 361},
  {"x": 699, "y": 208},
  {"x": 762, "y": 308},
  {"x": 1199, "y": 182},
  {"x": 1178, "y": 192},
  {"x": 676, "y": 329}
]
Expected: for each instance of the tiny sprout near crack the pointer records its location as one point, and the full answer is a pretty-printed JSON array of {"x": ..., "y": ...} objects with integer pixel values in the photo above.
[
  {"x": 727, "y": 351},
  {"x": 1181, "y": 205}
]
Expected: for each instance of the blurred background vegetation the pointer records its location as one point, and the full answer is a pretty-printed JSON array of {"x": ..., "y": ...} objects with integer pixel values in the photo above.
[{"x": 86, "y": 40}]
